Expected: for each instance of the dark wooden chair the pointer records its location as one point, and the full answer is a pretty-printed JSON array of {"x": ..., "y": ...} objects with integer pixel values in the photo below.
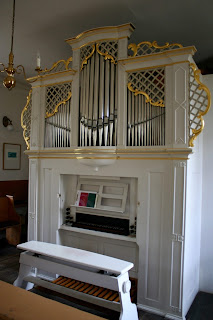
[{"x": 10, "y": 220}]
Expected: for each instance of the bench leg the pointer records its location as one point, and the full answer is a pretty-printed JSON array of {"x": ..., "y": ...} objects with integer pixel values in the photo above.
[
  {"x": 24, "y": 271},
  {"x": 128, "y": 309}
]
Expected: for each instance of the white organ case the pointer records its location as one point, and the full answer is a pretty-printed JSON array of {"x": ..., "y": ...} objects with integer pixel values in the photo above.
[{"x": 122, "y": 115}]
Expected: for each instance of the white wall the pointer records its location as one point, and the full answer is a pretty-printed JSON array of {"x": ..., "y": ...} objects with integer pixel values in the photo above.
[
  {"x": 11, "y": 105},
  {"x": 206, "y": 254}
]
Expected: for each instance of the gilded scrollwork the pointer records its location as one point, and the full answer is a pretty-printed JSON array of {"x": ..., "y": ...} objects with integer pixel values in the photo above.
[
  {"x": 26, "y": 120},
  {"x": 201, "y": 113},
  {"x": 61, "y": 62},
  {"x": 148, "y": 99},
  {"x": 48, "y": 115},
  {"x": 107, "y": 49},
  {"x": 105, "y": 54},
  {"x": 135, "y": 47},
  {"x": 84, "y": 62}
]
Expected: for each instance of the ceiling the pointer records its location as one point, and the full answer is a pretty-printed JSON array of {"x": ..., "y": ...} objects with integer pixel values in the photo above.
[{"x": 43, "y": 25}]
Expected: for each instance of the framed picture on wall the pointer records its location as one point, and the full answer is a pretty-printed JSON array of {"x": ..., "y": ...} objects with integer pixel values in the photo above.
[{"x": 11, "y": 156}]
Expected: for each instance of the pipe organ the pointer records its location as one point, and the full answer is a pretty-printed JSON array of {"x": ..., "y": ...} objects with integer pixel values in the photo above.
[{"x": 114, "y": 165}]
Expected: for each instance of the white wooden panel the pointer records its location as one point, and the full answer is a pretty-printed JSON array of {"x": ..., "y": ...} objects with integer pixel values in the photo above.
[
  {"x": 88, "y": 244},
  {"x": 176, "y": 275},
  {"x": 179, "y": 198},
  {"x": 47, "y": 207},
  {"x": 122, "y": 48},
  {"x": 38, "y": 117},
  {"x": 32, "y": 214},
  {"x": 180, "y": 125},
  {"x": 156, "y": 186},
  {"x": 57, "y": 205},
  {"x": 180, "y": 85},
  {"x": 121, "y": 252},
  {"x": 177, "y": 235},
  {"x": 168, "y": 103},
  {"x": 66, "y": 239},
  {"x": 84, "y": 243},
  {"x": 180, "y": 101},
  {"x": 122, "y": 118}
]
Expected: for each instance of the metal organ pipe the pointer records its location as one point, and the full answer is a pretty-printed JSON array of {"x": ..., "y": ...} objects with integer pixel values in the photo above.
[
  {"x": 129, "y": 118},
  {"x": 91, "y": 83},
  {"x": 139, "y": 120},
  {"x": 81, "y": 107},
  {"x": 106, "y": 106},
  {"x": 87, "y": 102},
  {"x": 101, "y": 101},
  {"x": 95, "y": 110},
  {"x": 57, "y": 128},
  {"x": 112, "y": 104},
  {"x": 133, "y": 119},
  {"x": 145, "y": 121}
]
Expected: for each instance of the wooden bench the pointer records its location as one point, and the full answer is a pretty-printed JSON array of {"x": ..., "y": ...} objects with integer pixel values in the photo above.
[
  {"x": 41, "y": 258},
  {"x": 19, "y": 304},
  {"x": 10, "y": 220}
]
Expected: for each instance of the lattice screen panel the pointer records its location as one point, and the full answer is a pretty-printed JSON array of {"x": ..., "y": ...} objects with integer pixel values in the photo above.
[
  {"x": 104, "y": 47},
  {"x": 58, "y": 116},
  {"x": 26, "y": 119},
  {"x": 151, "y": 81},
  {"x": 198, "y": 103},
  {"x": 56, "y": 95},
  {"x": 146, "y": 47},
  {"x": 86, "y": 51},
  {"x": 111, "y": 47},
  {"x": 145, "y": 108}
]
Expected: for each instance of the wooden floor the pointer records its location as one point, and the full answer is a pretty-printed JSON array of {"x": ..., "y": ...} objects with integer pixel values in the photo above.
[{"x": 201, "y": 309}]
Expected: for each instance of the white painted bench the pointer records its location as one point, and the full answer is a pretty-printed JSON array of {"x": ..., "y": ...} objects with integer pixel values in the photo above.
[{"x": 41, "y": 258}]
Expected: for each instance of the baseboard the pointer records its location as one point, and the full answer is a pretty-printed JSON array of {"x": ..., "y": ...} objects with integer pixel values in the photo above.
[
  {"x": 159, "y": 312},
  {"x": 173, "y": 317},
  {"x": 150, "y": 309}
]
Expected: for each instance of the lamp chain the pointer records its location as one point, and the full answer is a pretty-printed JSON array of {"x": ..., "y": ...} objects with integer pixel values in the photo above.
[{"x": 13, "y": 25}]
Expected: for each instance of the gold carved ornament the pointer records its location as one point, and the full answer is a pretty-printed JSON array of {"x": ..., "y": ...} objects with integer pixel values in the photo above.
[
  {"x": 84, "y": 62},
  {"x": 48, "y": 114},
  {"x": 65, "y": 62},
  {"x": 134, "y": 47},
  {"x": 200, "y": 115},
  {"x": 26, "y": 139},
  {"x": 106, "y": 55},
  {"x": 148, "y": 99}
]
